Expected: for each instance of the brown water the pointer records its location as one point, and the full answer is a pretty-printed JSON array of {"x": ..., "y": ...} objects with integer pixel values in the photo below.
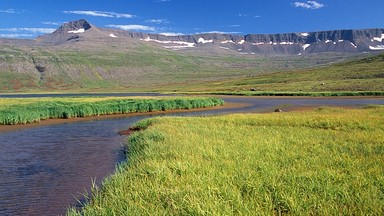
[{"x": 43, "y": 170}]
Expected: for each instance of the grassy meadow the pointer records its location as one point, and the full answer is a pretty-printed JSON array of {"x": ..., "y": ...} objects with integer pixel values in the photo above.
[
  {"x": 133, "y": 67},
  {"x": 328, "y": 161},
  {"x": 23, "y": 111},
  {"x": 364, "y": 76}
]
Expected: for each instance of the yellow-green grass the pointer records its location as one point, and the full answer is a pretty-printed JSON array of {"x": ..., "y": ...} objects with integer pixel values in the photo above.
[
  {"x": 22, "y": 111},
  {"x": 6, "y": 102},
  {"x": 364, "y": 76},
  {"x": 132, "y": 67},
  {"x": 323, "y": 162},
  {"x": 293, "y": 93}
]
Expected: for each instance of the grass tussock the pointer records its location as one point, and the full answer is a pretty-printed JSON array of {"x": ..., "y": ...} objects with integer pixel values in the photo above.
[
  {"x": 35, "y": 110},
  {"x": 324, "y": 162}
]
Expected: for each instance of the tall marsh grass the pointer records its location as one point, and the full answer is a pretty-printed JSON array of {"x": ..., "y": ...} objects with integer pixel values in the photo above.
[
  {"x": 37, "y": 110},
  {"x": 323, "y": 162}
]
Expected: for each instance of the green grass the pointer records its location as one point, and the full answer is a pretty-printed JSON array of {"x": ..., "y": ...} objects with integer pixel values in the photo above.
[
  {"x": 23, "y": 111},
  {"x": 133, "y": 67},
  {"x": 323, "y": 162},
  {"x": 311, "y": 94},
  {"x": 362, "y": 75}
]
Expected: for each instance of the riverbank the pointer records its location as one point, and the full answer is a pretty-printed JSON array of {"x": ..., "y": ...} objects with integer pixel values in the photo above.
[
  {"x": 294, "y": 94},
  {"x": 261, "y": 104},
  {"x": 325, "y": 161},
  {"x": 32, "y": 110},
  {"x": 8, "y": 128}
]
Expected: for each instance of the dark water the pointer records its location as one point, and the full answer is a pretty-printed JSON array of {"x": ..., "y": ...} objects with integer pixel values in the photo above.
[{"x": 43, "y": 170}]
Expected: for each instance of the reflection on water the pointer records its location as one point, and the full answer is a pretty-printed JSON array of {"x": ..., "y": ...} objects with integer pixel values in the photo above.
[{"x": 43, "y": 169}]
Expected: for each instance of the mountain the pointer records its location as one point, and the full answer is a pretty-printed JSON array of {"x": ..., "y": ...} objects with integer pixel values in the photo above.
[
  {"x": 79, "y": 55},
  {"x": 342, "y": 41},
  {"x": 349, "y": 41}
]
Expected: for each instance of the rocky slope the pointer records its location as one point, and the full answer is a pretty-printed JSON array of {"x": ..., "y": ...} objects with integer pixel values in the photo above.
[{"x": 350, "y": 41}]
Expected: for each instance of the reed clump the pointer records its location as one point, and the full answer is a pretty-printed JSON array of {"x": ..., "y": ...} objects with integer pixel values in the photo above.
[{"x": 38, "y": 110}]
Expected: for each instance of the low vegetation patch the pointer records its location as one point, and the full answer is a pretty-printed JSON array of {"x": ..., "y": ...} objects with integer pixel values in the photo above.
[
  {"x": 311, "y": 94},
  {"x": 323, "y": 162},
  {"x": 22, "y": 111}
]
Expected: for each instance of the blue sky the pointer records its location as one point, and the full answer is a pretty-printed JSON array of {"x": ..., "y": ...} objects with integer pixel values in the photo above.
[{"x": 28, "y": 18}]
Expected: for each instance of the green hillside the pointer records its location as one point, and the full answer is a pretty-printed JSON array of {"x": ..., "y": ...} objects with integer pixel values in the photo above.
[
  {"x": 366, "y": 74},
  {"x": 136, "y": 67}
]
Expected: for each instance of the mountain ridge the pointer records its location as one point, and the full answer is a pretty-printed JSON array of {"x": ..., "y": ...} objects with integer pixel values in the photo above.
[{"x": 344, "y": 41}]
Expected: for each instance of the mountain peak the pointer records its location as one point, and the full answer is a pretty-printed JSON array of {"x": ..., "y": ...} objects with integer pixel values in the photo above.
[{"x": 77, "y": 26}]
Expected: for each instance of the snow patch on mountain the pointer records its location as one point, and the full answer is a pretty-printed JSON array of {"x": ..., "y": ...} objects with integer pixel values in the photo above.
[
  {"x": 227, "y": 41},
  {"x": 304, "y": 34},
  {"x": 187, "y": 44},
  {"x": 203, "y": 41},
  {"x": 380, "y": 39},
  {"x": 287, "y": 43},
  {"x": 77, "y": 31},
  {"x": 305, "y": 46},
  {"x": 112, "y": 35},
  {"x": 378, "y": 47},
  {"x": 178, "y": 47}
]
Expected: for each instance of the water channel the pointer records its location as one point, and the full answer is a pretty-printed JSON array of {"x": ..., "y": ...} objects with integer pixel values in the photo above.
[{"x": 44, "y": 169}]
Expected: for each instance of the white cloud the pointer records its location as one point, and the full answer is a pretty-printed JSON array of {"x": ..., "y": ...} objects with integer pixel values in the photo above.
[
  {"x": 157, "y": 21},
  {"x": 11, "y": 11},
  {"x": 133, "y": 27},
  {"x": 309, "y": 5},
  {"x": 100, "y": 14},
  {"x": 15, "y": 35},
  {"x": 248, "y": 15},
  {"x": 243, "y": 15},
  {"x": 218, "y": 32},
  {"x": 51, "y": 23},
  {"x": 170, "y": 34},
  {"x": 32, "y": 30}
]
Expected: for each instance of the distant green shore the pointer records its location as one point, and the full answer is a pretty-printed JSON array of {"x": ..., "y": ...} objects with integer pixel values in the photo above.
[{"x": 308, "y": 94}]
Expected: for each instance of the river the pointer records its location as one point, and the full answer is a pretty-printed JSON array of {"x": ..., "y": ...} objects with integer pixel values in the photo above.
[{"x": 45, "y": 169}]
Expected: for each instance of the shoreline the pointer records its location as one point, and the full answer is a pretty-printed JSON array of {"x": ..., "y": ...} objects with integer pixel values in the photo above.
[
  {"x": 227, "y": 105},
  {"x": 10, "y": 128}
]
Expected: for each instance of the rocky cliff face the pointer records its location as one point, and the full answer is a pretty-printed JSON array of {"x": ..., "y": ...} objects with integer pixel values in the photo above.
[
  {"x": 73, "y": 27},
  {"x": 343, "y": 41},
  {"x": 350, "y": 41}
]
